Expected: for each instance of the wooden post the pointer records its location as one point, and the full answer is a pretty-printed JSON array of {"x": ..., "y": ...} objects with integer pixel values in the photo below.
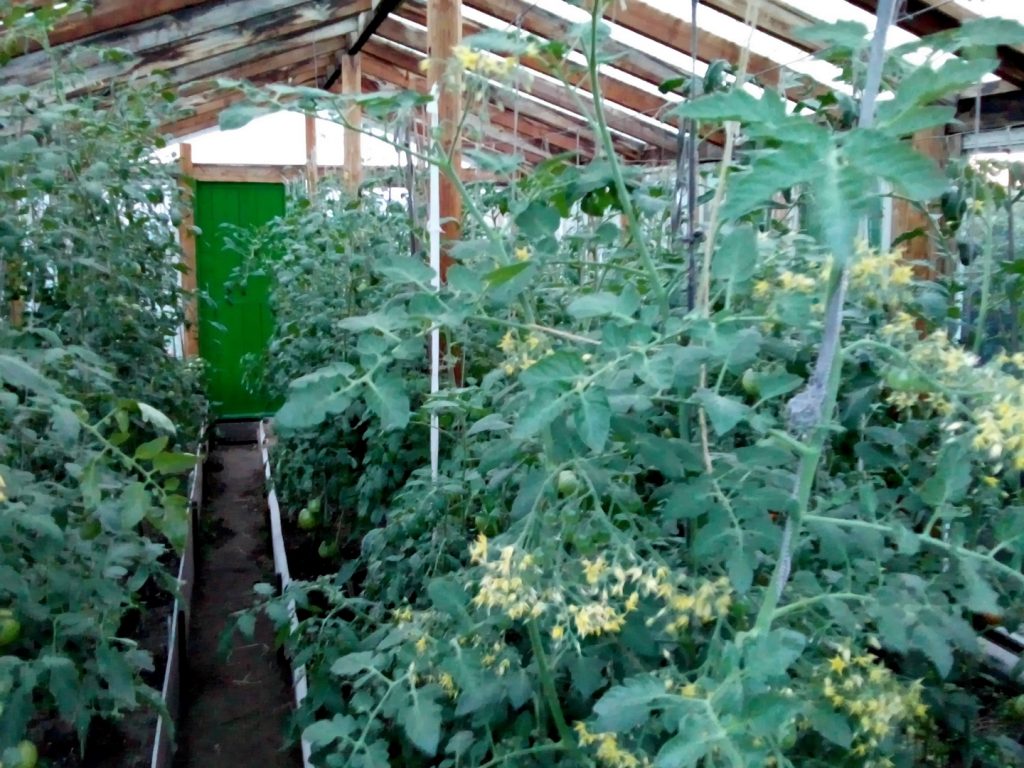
[
  {"x": 311, "y": 154},
  {"x": 187, "y": 237},
  {"x": 444, "y": 33},
  {"x": 352, "y": 84},
  {"x": 906, "y": 218}
]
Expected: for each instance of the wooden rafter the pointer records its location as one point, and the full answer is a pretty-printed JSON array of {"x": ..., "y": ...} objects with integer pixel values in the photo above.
[
  {"x": 774, "y": 17},
  {"x": 562, "y": 108},
  {"x": 925, "y": 18},
  {"x": 676, "y": 33},
  {"x": 613, "y": 90},
  {"x": 525, "y": 134},
  {"x": 550, "y": 26},
  {"x": 182, "y": 38},
  {"x": 558, "y": 129}
]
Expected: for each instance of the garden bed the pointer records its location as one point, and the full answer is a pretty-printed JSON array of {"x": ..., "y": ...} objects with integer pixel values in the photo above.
[
  {"x": 178, "y": 625},
  {"x": 283, "y": 574}
]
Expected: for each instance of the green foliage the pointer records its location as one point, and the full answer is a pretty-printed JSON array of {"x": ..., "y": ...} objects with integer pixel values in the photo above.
[
  {"x": 92, "y": 505},
  {"x": 643, "y": 546}
]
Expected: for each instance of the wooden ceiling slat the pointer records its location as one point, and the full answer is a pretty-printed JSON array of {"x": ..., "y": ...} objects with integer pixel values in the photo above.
[
  {"x": 294, "y": 55},
  {"x": 565, "y": 131},
  {"x": 192, "y": 34},
  {"x": 550, "y": 26},
  {"x": 319, "y": 36},
  {"x": 673, "y": 32},
  {"x": 106, "y": 15},
  {"x": 775, "y": 18},
  {"x": 612, "y": 89},
  {"x": 550, "y": 93},
  {"x": 402, "y": 71}
]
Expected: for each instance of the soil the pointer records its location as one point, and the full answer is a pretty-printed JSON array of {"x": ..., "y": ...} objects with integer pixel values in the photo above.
[
  {"x": 236, "y": 709},
  {"x": 127, "y": 742}
]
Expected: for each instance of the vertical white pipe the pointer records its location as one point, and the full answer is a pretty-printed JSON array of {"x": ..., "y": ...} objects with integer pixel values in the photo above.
[{"x": 434, "y": 229}]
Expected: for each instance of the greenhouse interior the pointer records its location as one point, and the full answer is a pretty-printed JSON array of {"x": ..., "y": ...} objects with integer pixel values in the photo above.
[{"x": 512, "y": 383}]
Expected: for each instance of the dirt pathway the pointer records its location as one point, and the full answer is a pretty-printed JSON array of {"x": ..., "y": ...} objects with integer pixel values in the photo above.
[{"x": 235, "y": 709}]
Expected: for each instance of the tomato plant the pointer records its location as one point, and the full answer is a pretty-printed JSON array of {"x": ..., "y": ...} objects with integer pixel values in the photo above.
[
  {"x": 92, "y": 503},
  {"x": 745, "y": 525}
]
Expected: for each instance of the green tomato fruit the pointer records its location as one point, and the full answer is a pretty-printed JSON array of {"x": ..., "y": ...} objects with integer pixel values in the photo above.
[
  {"x": 91, "y": 529},
  {"x": 749, "y": 382},
  {"x": 904, "y": 380},
  {"x": 1016, "y": 708},
  {"x": 307, "y": 520},
  {"x": 487, "y": 525},
  {"x": 28, "y": 754},
  {"x": 568, "y": 482},
  {"x": 327, "y": 549},
  {"x": 10, "y": 627},
  {"x": 314, "y": 506}
]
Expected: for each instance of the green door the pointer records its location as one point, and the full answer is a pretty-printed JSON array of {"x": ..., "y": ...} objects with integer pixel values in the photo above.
[{"x": 235, "y": 323}]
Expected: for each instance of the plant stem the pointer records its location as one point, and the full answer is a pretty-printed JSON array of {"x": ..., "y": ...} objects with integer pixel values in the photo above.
[
  {"x": 986, "y": 288},
  {"x": 808, "y": 602},
  {"x": 550, "y": 694},
  {"x": 984, "y": 558},
  {"x": 625, "y": 200}
]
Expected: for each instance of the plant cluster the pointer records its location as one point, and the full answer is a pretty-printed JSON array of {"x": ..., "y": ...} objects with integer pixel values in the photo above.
[
  {"x": 92, "y": 505},
  {"x": 325, "y": 258},
  {"x": 751, "y": 524}
]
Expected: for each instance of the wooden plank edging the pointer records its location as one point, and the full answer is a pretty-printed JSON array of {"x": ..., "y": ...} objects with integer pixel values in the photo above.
[
  {"x": 178, "y": 625},
  {"x": 299, "y": 685}
]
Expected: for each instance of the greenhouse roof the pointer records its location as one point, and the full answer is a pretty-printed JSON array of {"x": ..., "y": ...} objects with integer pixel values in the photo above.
[{"x": 650, "y": 41}]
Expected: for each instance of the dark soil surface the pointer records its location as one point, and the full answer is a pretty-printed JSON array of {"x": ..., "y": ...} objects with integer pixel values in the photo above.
[
  {"x": 128, "y": 741},
  {"x": 235, "y": 710}
]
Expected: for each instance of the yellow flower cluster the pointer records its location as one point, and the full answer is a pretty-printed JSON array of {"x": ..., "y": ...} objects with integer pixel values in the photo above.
[
  {"x": 998, "y": 421},
  {"x": 502, "y": 586},
  {"x": 709, "y": 601},
  {"x": 488, "y": 65},
  {"x": 796, "y": 283},
  {"x": 600, "y": 601},
  {"x": 878, "y": 705},
  {"x": 444, "y": 681},
  {"x": 522, "y": 353},
  {"x": 596, "y": 618},
  {"x": 872, "y": 269},
  {"x": 609, "y": 752}
]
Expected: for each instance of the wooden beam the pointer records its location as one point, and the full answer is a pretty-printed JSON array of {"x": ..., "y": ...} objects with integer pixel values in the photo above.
[
  {"x": 776, "y": 18},
  {"x": 907, "y": 218},
  {"x": 370, "y": 21},
  {"x": 261, "y": 174},
  {"x": 231, "y": 32},
  {"x": 311, "y": 174},
  {"x": 106, "y": 15},
  {"x": 557, "y": 110},
  {"x": 675, "y": 33},
  {"x": 552, "y": 93},
  {"x": 537, "y": 125},
  {"x": 612, "y": 89},
  {"x": 534, "y": 20},
  {"x": 293, "y": 55},
  {"x": 186, "y": 233},
  {"x": 489, "y": 135},
  {"x": 925, "y": 18},
  {"x": 351, "y": 85},
  {"x": 444, "y": 33}
]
